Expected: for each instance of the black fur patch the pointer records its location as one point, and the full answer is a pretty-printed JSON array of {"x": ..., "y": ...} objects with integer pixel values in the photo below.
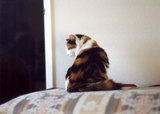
[
  {"x": 71, "y": 42},
  {"x": 79, "y": 36}
]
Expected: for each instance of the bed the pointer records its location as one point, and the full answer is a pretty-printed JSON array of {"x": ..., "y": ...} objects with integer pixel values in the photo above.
[{"x": 132, "y": 100}]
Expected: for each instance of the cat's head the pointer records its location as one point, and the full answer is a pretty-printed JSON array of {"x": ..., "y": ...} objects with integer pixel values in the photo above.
[{"x": 75, "y": 43}]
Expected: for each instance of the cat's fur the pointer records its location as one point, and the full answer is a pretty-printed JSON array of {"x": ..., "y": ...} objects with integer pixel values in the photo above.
[{"x": 89, "y": 70}]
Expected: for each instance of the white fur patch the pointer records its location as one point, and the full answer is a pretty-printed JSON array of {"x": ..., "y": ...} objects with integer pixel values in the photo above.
[
  {"x": 66, "y": 83},
  {"x": 70, "y": 52},
  {"x": 82, "y": 46}
]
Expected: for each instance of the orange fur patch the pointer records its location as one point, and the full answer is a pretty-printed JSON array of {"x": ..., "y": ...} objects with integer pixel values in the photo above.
[
  {"x": 72, "y": 37},
  {"x": 81, "y": 60},
  {"x": 77, "y": 75},
  {"x": 108, "y": 84},
  {"x": 86, "y": 38},
  {"x": 70, "y": 46},
  {"x": 90, "y": 80},
  {"x": 103, "y": 55},
  {"x": 104, "y": 75},
  {"x": 71, "y": 85},
  {"x": 94, "y": 44}
]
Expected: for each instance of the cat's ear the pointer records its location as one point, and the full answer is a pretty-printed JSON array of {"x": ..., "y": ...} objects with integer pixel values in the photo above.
[{"x": 72, "y": 37}]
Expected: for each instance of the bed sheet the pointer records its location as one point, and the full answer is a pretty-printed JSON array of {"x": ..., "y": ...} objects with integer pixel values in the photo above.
[{"x": 58, "y": 101}]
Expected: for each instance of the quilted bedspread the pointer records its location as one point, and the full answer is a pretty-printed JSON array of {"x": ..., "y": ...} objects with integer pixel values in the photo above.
[{"x": 58, "y": 101}]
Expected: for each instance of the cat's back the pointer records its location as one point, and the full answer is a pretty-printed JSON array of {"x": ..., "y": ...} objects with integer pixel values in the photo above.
[
  {"x": 93, "y": 59},
  {"x": 94, "y": 54}
]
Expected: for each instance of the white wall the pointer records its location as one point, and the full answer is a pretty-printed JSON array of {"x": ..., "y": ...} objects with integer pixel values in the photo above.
[{"x": 129, "y": 31}]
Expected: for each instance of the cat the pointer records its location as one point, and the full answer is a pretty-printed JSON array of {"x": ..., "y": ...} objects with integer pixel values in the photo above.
[{"x": 89, "y": 70}]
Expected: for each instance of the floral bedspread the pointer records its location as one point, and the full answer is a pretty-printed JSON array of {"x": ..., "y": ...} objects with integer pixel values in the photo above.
[{"x": 58, "y": 101}]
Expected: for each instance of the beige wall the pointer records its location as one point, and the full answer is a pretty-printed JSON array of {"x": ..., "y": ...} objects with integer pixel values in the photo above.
[{"x": 129, "y": 31}]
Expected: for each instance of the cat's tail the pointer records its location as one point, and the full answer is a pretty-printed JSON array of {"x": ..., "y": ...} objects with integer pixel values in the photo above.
[
  {"x": 105, "y": 85},
  {"x": 96, "y": 86}
]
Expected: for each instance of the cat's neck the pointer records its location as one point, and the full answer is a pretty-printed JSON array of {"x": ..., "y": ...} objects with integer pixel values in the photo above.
[{"x": 88, "y": 44}]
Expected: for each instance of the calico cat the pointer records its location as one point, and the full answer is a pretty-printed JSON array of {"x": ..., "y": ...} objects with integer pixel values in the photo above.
[{"x": 89, "y": 70}]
